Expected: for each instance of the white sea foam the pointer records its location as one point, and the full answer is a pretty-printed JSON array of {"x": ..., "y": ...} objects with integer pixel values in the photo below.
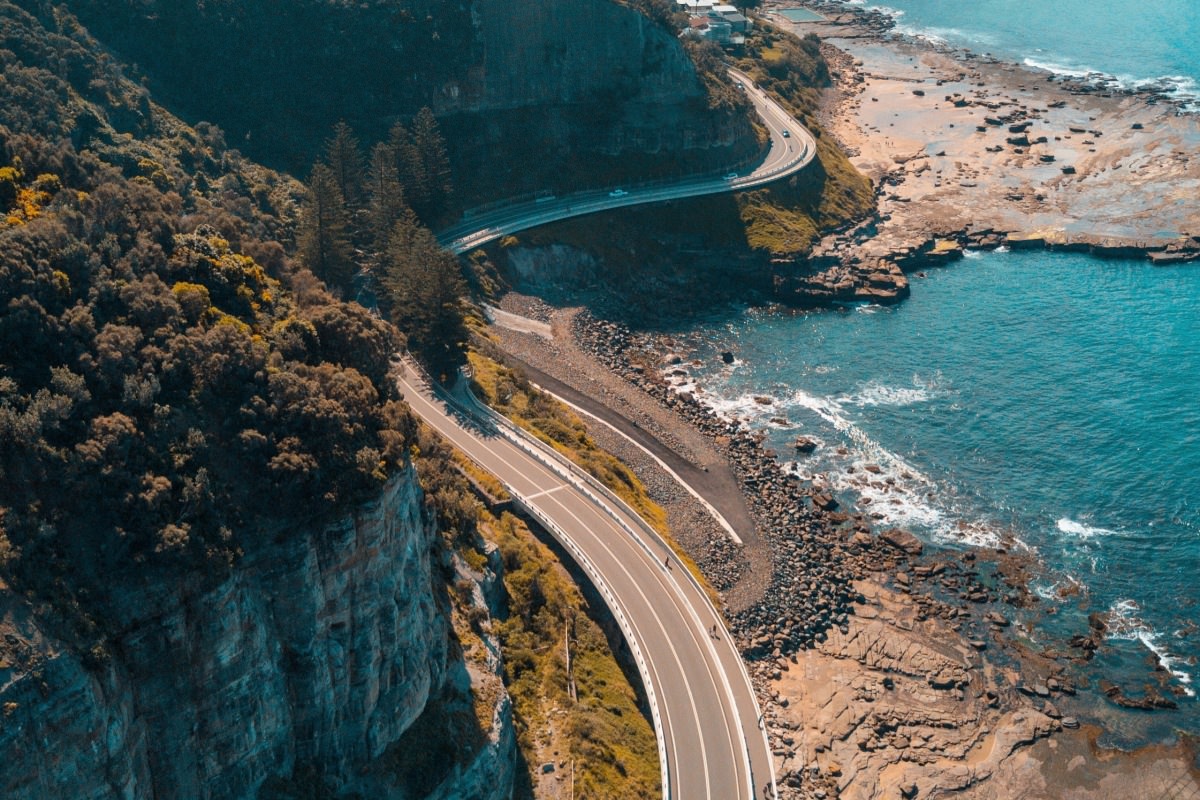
[
  {"x": 1124, "y": 623},
  {"x": 878, "y": 394},
  {"x": 899, "y": 492},
  {"x": 744, "y": 408},
  {"x": 1082, "y": 531},
  {"x": 947, "y": 36},
  {"x": 1183, "y": 88}
]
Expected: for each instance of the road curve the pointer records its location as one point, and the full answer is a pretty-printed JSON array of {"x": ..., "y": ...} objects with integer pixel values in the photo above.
[
  {"x": 786, "y": 156},
  {"x": 705, "y": 714}
]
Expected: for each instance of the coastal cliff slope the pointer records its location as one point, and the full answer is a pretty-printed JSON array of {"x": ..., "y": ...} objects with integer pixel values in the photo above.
[
  {"x": 317, "y": 651},
  {"x": 219, "y": 573},
  {"x": 529, "y": 95}
]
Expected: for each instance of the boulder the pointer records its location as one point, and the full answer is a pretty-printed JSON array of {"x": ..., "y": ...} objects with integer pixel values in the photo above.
[{"x": 903, "y": 540}]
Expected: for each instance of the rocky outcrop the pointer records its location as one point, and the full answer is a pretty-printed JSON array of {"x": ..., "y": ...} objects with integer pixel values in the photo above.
[
  {"x": 892, "y": 706},
  {"x": 880, "y": 281},
  {"x": 317, "y": 653}
]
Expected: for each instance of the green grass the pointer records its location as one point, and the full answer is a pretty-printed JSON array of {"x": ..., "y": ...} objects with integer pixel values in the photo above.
[{"x": 602, "y": 730}]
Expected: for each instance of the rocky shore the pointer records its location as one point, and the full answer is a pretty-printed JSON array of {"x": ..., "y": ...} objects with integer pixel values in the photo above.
[
  {"x": 884, "y": 669},
  {"x": 968, "y": 152}
]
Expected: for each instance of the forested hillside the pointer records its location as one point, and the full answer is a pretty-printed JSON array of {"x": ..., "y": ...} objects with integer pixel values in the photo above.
[{"x": 172, "y": 385}]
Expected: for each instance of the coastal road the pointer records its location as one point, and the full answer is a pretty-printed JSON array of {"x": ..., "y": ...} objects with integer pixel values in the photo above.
[
  {"x": 787, "y": 155},
  {"x": 705, "y": 714}
]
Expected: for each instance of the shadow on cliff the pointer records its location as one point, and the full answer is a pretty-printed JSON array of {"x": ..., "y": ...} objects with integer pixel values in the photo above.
[{"x": 646, "y": 267}]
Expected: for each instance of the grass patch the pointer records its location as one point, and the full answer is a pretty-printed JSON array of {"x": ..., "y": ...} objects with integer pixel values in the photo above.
[
  {"x": 830, "y": 192},
  {"x": 586, "y": 713},
  {"x": 509, "y": 393}
]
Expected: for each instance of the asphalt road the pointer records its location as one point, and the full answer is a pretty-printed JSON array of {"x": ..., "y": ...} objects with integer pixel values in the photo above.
[
  {"x": 787, "y": 155},
  {"x": 705, "y": 714}
]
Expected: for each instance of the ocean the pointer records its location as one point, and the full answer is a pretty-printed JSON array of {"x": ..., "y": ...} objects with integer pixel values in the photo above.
[
  {"x": 1034, "y": 400},
  {"x": 1150, "y": 42}
]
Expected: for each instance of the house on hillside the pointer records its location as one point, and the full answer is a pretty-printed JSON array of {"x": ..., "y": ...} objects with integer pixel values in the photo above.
[
  {"x": 739, "y": 22},
  {"x": 713, "y": 27}
]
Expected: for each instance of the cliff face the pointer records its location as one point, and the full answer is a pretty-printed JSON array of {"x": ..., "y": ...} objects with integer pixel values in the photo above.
[
  {"x": 553, "y": 85},
  {"x": 317, "y": 653}
]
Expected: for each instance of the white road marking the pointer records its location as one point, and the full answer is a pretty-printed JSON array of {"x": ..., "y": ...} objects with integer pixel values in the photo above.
[{"x": 672, "y": 593}]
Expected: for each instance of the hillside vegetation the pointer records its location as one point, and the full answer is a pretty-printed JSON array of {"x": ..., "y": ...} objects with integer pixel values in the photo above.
[{"x": 172, "y": 387}]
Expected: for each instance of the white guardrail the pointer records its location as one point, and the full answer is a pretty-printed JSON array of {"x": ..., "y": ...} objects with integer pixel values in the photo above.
[
  {"x": 598, "y": 581},
  {"x": 475, "y": 230},
  {"x": 589, "y": 487},
  {"x": 573, "y": 473}
]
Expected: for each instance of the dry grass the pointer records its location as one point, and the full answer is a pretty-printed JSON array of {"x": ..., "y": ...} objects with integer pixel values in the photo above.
[{"x": 598, "y": 726}]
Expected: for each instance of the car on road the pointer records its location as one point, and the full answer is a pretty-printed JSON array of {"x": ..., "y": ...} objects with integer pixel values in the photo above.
[
  {"x": 730, "y": 176},
  {"x": 787, "y": 134},
  {"x": 618, "y": 193}
]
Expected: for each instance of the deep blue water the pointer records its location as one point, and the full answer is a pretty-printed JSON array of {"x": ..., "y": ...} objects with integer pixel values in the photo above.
[
  {"x": 1051, "y": 398},
  {"x": 1147, "y": 40}
]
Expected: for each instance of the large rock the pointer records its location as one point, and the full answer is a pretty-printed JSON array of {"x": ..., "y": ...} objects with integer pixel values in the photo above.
[{"x": 903, "y": 540}]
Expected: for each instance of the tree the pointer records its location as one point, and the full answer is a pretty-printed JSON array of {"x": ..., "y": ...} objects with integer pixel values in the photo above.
[
  {"x": 344, "y": 156},
  {"x": 409, "y": 168},
  {"x": 386, "y": 204},
  {"x": 425, "y": 289},
  {"x": 323, "y": 240},
  {"x": 435, "y": 163}
]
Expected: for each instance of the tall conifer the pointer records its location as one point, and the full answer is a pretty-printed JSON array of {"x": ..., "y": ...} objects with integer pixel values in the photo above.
[{"x": 324, "y": 242}]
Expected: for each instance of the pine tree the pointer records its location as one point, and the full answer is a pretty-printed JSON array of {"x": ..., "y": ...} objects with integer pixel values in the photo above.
[
  {"x": 324, "y": 242},
  {"x": 408, "y": 166},
  {"x": 344, "y": 157},
  {"x": 435, "y": 163},
  {"x": 386, "y": 204},
  {"x": 425, "y": 289}
]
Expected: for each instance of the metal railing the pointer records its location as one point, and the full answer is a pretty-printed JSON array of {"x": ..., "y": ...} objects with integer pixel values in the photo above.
[
  {"x": 574, "y": 474},
  {"x": 588, "y": 567},
  {"x": 467, "y": 234}
]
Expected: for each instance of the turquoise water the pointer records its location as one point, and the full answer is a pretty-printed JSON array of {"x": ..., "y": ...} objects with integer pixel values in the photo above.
[
  {"x": 1150, "y": 40},
  {"x": 1039, "y": 400}
]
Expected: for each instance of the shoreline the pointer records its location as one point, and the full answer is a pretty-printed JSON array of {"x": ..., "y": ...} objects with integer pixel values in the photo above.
[
  {"x": 878, "y": 661},
  {"x": 884, "y": 666},
  {"x": 972, "y": 152}
]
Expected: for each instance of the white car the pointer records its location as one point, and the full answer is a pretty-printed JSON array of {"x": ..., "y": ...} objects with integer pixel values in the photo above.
[{"x": 618, "y": 193}]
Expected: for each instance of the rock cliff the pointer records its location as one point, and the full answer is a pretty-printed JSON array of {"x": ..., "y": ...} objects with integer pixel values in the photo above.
[
  {"x": 316, "y": 654},
  {"x": 527, "y": 92}
]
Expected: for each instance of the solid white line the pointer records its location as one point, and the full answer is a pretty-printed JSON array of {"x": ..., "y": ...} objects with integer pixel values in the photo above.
[
  {"x": 439, "y": 421},
  {"x": 666, "y": 637},
  {"x": 709, "y": 507},
  {"x": 674, "y": 592}
]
